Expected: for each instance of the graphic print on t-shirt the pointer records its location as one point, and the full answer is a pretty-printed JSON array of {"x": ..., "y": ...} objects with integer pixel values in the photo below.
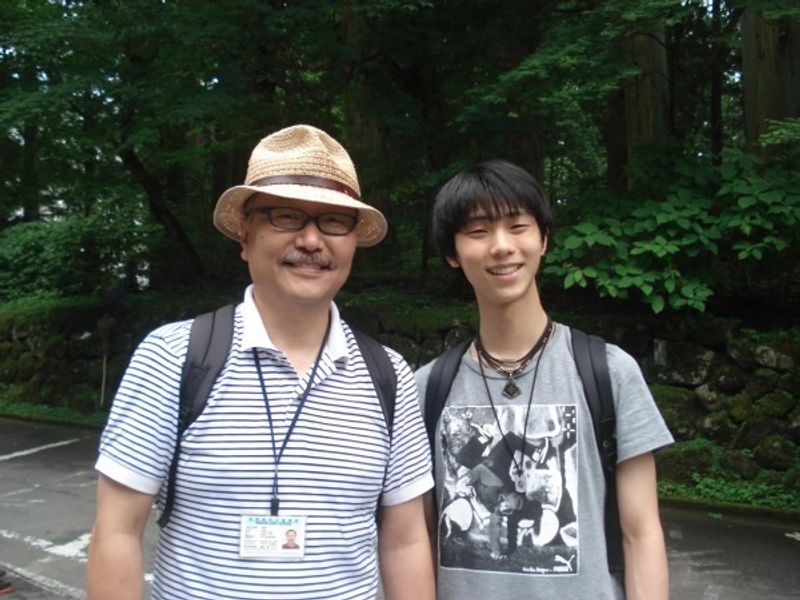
[{"x": 506, "y": 505}]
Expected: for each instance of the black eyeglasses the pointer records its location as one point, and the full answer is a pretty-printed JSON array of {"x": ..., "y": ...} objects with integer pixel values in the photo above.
[{"x": 294, "y": 219}]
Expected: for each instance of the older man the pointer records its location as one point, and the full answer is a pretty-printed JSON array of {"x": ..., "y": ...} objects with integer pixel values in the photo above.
[{"x": 292, "y": 434}]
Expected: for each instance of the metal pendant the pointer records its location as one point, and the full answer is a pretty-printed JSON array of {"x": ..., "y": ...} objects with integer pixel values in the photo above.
[{"x": 511, "y": 389}]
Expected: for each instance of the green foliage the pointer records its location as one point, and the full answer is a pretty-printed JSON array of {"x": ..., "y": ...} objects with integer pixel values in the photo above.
[
  {"x": 672, "y": 245},
  {"x": 718, "y": 483},
  {"x": 781, "y": 132},
  {"x": 76, "y": 255},
  {"x": 56, "y": 414},
  {"x": 735, "y": 491}
]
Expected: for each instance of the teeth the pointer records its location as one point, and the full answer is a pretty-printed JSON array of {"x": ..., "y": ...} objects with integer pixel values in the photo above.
[{"x": 503, "y": 270}]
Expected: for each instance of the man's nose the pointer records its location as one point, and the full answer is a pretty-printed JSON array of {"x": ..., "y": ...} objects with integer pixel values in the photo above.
[{"x": 309, "y": 237}]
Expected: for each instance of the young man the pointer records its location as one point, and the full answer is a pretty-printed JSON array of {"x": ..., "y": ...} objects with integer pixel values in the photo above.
[
  {"x": 519, "y": 483},
  {"x": 292, "y": 434}
]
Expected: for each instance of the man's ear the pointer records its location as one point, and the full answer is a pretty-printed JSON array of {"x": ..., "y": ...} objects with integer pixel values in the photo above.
[
  {"x": 545, "y": 240},
  {"x": 244, "y": 238},
  {"x": 453, "y": 262}
]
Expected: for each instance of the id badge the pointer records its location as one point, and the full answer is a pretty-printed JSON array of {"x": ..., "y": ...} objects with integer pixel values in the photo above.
[{"x": 263, "y": 536}]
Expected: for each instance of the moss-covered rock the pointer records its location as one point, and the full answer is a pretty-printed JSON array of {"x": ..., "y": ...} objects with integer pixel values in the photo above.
[
  {"x": 741, "y": 464},
  {"x": 718, "y": 427},
  {"x": 776, "y": 404},
  {"x": 793, "y": 425},
  {"x": 686, "y": 364},
  {"x": 679, "y": 409},
  {"x": 775, "y": 452},
  {"x": 682, "y": 460},
  {"x": 27, "y": 366},
  {"x": 708, "y": 398},
  {"x": 751, "y": 433},
  {"x": 741, "y": 408},
  {"x": 728, "y": 379},
  {"x": 767, "y": 356},
  {"x": 741, "y": 351},
  {"x": 790, "y": 382},
  {"x": 406, "y": 347},
  {"x": 761, "y": 382}
]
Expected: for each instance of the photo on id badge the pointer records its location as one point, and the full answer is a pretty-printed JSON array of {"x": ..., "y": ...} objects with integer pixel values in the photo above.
[
  {"x": 272, "y": 537},
  {"x": 510, "y": 489}
]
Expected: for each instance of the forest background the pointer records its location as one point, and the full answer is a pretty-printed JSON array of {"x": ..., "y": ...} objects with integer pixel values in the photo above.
[{"x": 666, "y": 134}]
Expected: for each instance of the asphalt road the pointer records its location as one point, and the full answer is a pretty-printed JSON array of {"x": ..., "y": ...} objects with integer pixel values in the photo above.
[{"x": 47, "y": 503}]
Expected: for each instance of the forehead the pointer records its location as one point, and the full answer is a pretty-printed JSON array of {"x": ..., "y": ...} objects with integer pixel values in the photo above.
[{"x": 490, "y": 208}]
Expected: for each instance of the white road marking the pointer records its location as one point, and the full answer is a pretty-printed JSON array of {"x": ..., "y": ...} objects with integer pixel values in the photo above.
[
  {"x": 37, "y": 449},
  {"x": 17, "y": 492},
  {"x": 51, "y": 585},
  {"x": 72, "y": 550},
  {"x": 794, "y": 535}
]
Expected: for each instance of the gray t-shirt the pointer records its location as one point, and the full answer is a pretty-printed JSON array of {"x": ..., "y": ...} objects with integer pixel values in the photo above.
[{"x": 521, "y": 497}]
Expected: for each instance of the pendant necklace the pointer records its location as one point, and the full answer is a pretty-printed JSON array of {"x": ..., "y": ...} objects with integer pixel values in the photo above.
[
  {"x": 513, "y": 367},
  {"x": 541, "y": 343}
]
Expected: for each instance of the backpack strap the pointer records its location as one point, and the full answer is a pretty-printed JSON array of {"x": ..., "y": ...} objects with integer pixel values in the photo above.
[
  {"x": 440, "y": 382},
  {"x": 591, "y": 361},
  {"x": 384, "y": 378},
  {"x": 209, "y": 345},
  {"x": 382, "y": 372}
]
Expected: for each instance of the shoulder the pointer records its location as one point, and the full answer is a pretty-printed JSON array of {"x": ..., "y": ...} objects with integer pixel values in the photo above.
[{"x": 172, "y": 338}]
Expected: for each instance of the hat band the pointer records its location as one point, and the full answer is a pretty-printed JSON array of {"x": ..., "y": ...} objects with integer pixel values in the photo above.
[{"x": 312, "y": 180}]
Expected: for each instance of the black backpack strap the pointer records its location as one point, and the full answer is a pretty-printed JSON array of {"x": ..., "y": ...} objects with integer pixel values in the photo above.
[
  {"x": 384, "y": 378},
  {"x": 209, "y": 345},
  {"x": 440, "y": 381},
  {"x": 592, "y": 363},
  {"x": 382, "y": 372}
]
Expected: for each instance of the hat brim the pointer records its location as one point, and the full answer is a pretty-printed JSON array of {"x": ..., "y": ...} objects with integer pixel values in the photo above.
[{"x": 370, "y": 229}]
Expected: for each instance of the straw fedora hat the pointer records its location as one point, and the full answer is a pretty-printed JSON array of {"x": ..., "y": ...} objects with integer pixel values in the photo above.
[{"x": 303, "y": 163}]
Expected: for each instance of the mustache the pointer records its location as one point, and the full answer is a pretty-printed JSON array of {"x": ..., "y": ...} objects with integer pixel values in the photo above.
[{"x": 299, "y": 257}]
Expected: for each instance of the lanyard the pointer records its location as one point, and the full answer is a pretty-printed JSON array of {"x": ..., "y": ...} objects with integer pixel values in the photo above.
[{"x": 277, "y": 455}]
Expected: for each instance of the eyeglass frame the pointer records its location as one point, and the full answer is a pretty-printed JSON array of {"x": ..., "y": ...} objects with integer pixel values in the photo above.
[{"x": 267, "y": 212}]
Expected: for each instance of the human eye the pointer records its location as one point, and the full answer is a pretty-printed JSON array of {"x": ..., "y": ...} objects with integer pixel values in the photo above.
[
  {"x": 287, "y": 218},
  {"x": 336, "y": 223},
  {"x": 475, "y": 228}
]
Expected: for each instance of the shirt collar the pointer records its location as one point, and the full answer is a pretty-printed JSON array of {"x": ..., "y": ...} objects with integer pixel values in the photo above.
[{"x": 255, "y": 334}]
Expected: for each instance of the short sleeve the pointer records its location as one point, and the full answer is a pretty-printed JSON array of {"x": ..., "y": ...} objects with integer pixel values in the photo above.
[
  {"x": 640, "y": 426},
  {"x": 138, "y": 441}
]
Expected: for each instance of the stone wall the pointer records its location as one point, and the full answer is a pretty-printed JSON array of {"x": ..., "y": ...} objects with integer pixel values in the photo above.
[{"x": 712, "y": 378}]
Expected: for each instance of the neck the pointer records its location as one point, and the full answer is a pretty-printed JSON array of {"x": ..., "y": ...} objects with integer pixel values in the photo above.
[
  {"x": 510, "y": 331},
  {"x": 297, "y": 331}
]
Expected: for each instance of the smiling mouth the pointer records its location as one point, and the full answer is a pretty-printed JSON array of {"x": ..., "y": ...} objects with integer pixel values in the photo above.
[
  {"x": 306, "y": 265},
  {"x": 504, "y": 269}
]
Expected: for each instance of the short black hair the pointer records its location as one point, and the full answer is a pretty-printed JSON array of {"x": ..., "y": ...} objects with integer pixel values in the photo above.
[{"x": 497, "y": 188}]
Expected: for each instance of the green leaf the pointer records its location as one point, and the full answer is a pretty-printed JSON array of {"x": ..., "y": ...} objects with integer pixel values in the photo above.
[{"x": 657, "y": 304}]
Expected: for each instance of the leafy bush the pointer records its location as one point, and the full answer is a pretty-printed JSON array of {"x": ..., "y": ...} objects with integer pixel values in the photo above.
[
  {"x": 75, "y": 254},
  {"x": 673, "y": 242}
]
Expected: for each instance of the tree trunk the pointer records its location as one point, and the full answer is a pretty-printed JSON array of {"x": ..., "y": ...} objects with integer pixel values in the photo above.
[
  {"x": 770, "y": 73},
  {"x": 29, "y": 176},
  {"x": 647, "y": 101},
  {"x": 715, "y": 112},
  {"x": 616, "y": 142},
  {"x": 158, "y": 207}
]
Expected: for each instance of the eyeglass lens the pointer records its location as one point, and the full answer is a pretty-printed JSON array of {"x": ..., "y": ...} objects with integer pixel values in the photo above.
[{"x": 293, "y": 219}]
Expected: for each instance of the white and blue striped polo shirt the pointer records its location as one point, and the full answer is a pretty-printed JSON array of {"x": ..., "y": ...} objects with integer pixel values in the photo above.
[{"x": 332, "y": 470}]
